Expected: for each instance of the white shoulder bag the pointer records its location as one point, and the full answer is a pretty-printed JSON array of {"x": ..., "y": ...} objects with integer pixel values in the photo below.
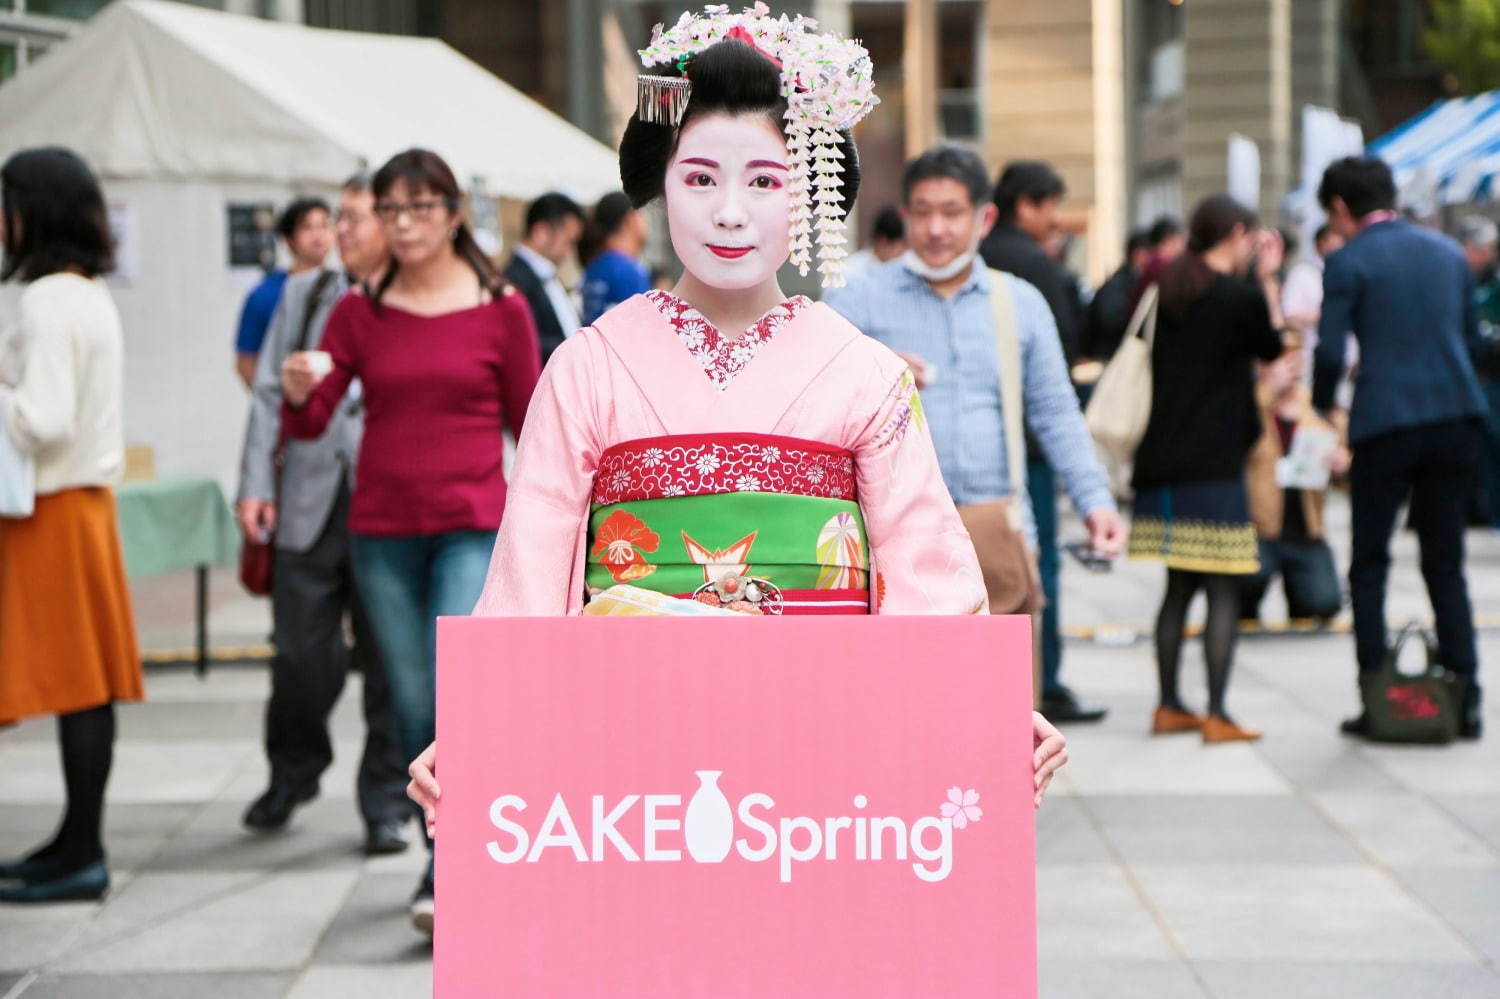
[
  {"x": 17, "y": 476},
  {"x": 1120, "y": 407}
]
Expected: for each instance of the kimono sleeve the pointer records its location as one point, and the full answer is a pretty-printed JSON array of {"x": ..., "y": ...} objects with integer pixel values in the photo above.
[
  {"x": 536, "y": 569},
  {"x": 923, "y": 558}
]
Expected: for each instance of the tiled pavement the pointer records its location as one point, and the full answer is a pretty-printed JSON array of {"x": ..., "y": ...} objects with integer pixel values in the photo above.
[{"x": 1306, "y": 865}]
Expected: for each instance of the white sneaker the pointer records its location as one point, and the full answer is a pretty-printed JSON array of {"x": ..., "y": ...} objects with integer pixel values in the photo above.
[{"x": 422, "y": 913}]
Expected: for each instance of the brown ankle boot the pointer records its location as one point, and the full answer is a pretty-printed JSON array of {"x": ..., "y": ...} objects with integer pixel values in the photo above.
[
  {"x": 1223, "y": 730},
  {"x": 1168, "y": 721}
]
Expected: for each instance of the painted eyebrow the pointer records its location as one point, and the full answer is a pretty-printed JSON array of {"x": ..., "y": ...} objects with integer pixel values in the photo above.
[
  {"x": 700, "y": 161},
  {"x": 766, "y": 163}
]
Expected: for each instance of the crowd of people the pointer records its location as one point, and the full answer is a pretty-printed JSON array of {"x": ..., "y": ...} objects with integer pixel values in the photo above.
[{"x": 383, "y": 387}]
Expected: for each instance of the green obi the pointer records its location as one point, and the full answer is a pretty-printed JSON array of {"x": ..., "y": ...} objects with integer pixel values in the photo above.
[{"x": 671, "y": 514}]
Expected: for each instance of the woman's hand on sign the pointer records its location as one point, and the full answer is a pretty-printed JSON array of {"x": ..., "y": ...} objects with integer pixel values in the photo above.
[
  {"x": 423, "y": 788},
  {"x": 1051, "y": 752}
]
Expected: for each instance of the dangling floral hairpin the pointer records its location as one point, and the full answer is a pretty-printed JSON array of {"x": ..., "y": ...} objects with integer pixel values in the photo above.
[{"x": 828, "y": 83}]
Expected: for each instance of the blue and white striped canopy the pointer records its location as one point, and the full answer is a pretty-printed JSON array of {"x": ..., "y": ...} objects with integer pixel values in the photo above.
[{"x": 1449, "y": 154}]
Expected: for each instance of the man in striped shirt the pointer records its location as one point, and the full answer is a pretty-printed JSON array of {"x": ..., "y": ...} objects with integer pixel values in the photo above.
[{"x": 932, "y": 305}]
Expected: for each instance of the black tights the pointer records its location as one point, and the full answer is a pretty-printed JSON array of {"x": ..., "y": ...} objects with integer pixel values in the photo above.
[
  {"x": 1218, "y": 634},
  {"x": 87, "y": 740}
]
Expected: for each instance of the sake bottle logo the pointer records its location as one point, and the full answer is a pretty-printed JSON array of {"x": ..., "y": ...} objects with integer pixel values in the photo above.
[{"x": 708, "y": 825}]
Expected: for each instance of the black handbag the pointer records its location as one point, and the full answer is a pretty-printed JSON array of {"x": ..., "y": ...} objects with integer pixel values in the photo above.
[{"x": 1422, "y": 708}]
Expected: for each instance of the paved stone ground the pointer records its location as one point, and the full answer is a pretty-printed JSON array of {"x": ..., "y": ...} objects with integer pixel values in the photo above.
[{"x": 1306, "y": 865}]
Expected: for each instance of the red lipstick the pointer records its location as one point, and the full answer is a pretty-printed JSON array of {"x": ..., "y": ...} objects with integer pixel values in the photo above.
[{"x": 730, "y": 252}]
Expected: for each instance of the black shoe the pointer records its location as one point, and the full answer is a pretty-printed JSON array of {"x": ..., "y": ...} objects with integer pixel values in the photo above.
[
  {"x": 1358, "y": 725},
  {"x": 24, "y": 869},
  {"x": 1061, "y": 706},
  {"x": 384, "y": 836},
  {"x": 1471, "y": 724},
  {"x": 87, "y": 884},
  {"x": 34, "y": 868},
  {"x": 272, "y": 809}
]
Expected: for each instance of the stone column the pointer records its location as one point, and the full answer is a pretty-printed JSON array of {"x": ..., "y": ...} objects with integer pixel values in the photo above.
[
  {"x": 920, "y": 75},
  {"x": 1054, "y": 90},
  {"x": 1238, "y": 79},
  {"x": 1315, "y": 67},
  {"x": 587, "y": 107}
]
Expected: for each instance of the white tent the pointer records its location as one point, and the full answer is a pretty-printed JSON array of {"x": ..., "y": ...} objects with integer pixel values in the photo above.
[
  {"x": 184, "y": 111},
  {"x": 158, "y": 89}
]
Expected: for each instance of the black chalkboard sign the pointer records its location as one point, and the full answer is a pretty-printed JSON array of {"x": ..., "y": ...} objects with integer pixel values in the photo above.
[{"x": 252, "y": 235}]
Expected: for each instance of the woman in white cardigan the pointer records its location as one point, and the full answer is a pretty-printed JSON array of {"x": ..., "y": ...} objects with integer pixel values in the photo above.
[{"x": 67, "y": 637}]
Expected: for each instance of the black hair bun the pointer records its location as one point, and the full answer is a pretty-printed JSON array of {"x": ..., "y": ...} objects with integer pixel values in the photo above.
[{"x": 728, "y": 77}]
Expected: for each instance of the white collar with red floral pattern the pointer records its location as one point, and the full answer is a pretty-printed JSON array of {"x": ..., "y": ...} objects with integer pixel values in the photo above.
[{"x": 723, "y": 358}]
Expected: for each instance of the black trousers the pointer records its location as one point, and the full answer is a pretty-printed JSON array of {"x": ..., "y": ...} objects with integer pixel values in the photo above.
[
  {"x": 1435, "y": 465},
  {"x": 312, "y": 591},
  {"x": 1308, "y": 576}
]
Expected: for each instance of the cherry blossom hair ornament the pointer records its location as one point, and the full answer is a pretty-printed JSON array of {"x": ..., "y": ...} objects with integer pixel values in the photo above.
[{"x": 828, "y": 84}]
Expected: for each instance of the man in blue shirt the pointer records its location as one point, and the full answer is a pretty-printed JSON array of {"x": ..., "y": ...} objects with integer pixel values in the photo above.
[
  {"x": 307, "y": 228},
  {"x": 616, "y": 273},
  {"x": 1407, "y": 295},
  {"x": 933, "y": 306}
]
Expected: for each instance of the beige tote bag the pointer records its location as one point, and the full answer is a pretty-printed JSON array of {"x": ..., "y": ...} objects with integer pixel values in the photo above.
[{"x": 1120, "y": 408}]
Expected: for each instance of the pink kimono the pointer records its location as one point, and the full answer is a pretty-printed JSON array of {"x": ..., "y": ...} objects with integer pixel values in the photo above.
[{"x": 658, "y": 453}]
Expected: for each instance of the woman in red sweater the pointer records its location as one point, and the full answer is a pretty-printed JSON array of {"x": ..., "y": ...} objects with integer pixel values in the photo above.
[{"x": 447, "y": 357}]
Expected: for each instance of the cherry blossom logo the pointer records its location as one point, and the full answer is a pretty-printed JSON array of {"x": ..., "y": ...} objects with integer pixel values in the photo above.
[{"x": 962, "y": 807}]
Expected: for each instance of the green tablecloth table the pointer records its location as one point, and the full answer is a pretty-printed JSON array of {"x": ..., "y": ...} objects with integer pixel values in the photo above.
[{"x": 178, "y": 523}]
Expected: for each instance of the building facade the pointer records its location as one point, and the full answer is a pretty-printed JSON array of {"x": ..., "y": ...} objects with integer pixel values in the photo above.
[{"x": 1134, "y": 101}]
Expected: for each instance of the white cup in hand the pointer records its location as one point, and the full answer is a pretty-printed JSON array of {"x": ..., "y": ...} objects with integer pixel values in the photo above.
[{"x": 320, "y": 362}]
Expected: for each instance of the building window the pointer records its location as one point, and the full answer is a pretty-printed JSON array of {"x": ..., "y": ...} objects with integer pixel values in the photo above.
[
  {"x": 73, "y": 10},
  {"x": 960, "y": 24},
  {"x": 1161, "y": 59},
  {"x": 388, "y": 17},
  {"x": 1387, "y": 34},
  {"x": 10, "y": 59},
  {"x": 1158, "y": 193}
]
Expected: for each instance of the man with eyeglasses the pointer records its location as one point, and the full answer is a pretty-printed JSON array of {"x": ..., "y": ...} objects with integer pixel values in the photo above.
[{"x": 304, "y": 503}]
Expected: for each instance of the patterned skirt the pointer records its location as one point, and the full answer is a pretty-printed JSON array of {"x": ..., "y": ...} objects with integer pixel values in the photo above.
[{"x": 1196, "y": 526}]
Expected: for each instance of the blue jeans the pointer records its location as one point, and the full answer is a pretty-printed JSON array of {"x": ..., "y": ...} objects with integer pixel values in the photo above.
[
  {"x": 407, "y": 584},
  {"x": 1308, "y": 575},
  {"x": 1041, "y": 483}
]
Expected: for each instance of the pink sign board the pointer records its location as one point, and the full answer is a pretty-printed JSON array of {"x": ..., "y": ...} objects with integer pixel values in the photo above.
[{"x": 670, "y": 807}]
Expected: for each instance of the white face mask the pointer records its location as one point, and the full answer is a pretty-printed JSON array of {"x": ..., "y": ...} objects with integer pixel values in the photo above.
[{"x": 947, "y": 272}]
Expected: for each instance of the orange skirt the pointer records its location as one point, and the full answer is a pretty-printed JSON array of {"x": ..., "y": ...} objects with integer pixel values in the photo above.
[{"x": 67, "y": 637}]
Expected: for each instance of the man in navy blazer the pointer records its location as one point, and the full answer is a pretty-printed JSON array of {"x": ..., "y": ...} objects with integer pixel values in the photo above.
[
  {"x": 1406, "y": 293},
  {"x": 554, "y": 223}
]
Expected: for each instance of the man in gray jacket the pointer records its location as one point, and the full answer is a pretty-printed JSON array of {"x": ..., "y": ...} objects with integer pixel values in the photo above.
[{"x": 307, "y": 508}]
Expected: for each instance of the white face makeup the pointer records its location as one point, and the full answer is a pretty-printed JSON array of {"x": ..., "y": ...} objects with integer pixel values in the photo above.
[{"x": 727, "y": 200}]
